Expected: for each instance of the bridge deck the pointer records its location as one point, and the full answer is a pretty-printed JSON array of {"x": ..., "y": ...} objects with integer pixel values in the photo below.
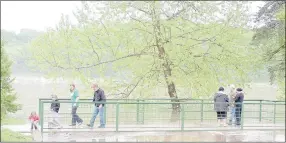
[{"x": 147, "y": 128}]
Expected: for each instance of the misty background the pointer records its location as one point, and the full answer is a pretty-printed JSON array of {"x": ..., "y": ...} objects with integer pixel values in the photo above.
[{"x": 23, "y": 21}]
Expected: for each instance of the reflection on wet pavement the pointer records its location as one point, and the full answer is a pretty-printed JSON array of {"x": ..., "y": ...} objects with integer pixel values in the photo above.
[{"x": 203, "y": 136}]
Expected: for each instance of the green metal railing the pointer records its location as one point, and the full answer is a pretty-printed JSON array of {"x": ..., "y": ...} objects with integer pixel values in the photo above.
[
  {"x": 195, "y": 114},
  {"x": 146, "y": 112},
  {"x": 140, "y": 108}
]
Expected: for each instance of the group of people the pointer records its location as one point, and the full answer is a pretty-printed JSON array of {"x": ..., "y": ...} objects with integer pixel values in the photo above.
[
  {"x": 231, "y": 102},
  {"x": 222, "y": 104},
  {"x": 98, "y": 96}
]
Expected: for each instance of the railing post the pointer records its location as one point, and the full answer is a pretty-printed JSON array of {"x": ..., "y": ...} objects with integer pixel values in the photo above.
[
  {"x": 260, "y": 110},
  {"x": 39, "y": 109},
  {"x": 242, "y": 116},
  {"x": 182, "y": 117},
  {"x": 137, "y": 111},
  {"x": 143, "y": 106},
  {"x": 274, "y": 116},
  {"x": 202, "y": 110},
  {"x": 104, "y": 113},
  {"x": 117, "y": 116},
  {"x": 41, "y": 112}
]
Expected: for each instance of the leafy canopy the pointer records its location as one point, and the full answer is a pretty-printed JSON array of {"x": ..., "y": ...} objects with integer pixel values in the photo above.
[{"x": 205, "y": 43}]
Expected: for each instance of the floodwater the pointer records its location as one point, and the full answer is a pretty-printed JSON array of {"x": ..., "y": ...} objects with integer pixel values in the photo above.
[{"x": 203, "y": 136}]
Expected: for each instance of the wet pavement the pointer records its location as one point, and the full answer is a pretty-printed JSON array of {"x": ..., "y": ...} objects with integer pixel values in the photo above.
[
  {"x": 202, "y": 136},
  {"x": 136, "y": 135}
]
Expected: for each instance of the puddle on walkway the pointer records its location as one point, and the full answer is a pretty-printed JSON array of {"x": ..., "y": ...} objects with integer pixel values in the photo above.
[{"x": 204, "y": 136}]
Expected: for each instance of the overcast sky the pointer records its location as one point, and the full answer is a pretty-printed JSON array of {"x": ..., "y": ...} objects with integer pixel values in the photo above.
[{"x": 40, "y": 15}]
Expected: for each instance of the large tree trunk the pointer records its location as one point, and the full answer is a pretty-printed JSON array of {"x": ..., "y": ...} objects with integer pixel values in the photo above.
[
  {"x": 166, "y": 65},
  {"x": 172, "y": 93}
]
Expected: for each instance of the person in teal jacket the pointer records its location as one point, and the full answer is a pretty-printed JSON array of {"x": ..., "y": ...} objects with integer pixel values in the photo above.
[{"x": 75, "y": 99}]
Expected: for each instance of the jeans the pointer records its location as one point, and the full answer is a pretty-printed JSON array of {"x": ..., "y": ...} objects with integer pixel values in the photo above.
[
  {"x": 34, "y": 125},
  {"x": 238, "y": 114},
  {"x": 101, "y": 116},
  {"x": 55, "y": 118},
  {"x": 232, "y": 115},
  {"x": 75, "y": 117}
]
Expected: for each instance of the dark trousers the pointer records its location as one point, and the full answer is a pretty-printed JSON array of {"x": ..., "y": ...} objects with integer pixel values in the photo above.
[
  {"x": 33, "y": 126},
  {"x": 75, "y": 117},
  {"x": 238, "y": 108}
]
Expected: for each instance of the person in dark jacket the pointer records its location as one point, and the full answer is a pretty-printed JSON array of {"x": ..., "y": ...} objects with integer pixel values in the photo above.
[
  {"x": 98, "y": 96},
  {"x": 221, "y": 106},
  {"x": 55, "y": 107},
  {"x": 238, "y": 105}
]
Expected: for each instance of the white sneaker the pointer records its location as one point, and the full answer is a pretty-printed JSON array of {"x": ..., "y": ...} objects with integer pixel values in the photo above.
[{"x": 79, "y": 124}]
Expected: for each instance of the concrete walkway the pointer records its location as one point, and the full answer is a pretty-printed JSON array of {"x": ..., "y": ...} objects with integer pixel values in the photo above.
[
  {"x": 142, "y": 128},
  {"x": 146, "y": 132}
]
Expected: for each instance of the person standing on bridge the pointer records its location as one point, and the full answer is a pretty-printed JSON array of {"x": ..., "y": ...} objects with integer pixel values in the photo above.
[
  {"x": 221, "y": 106},
  {"x": 98, "y": 96},
  {"x": 232, "y": 95},
  {"x": 75, "y": 99},
  {"x": 55, "y": 107},
  {"x": 238, "y": 105}
]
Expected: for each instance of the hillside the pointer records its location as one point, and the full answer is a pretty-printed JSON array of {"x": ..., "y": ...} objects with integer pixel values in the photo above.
[{"x": 16, "y": 46}]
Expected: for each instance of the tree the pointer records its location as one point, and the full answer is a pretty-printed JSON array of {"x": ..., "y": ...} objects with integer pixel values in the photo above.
[
  {"x": 8, "y": 96},
  {"x": 270, "y": 38},
  {"x": 198, "y": 45}
]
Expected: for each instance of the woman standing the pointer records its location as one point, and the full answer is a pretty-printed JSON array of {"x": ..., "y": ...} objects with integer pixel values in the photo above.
[
  {"x": 232, "y": 95},
  {"x": 221, "y": 106},
  {"x": 238, "y": 105}
]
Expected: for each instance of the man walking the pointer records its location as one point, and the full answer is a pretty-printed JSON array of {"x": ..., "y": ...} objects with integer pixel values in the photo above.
[
  {"x": 238, "y": 105},
  {"x": 99, "y": 107},
  {"x": 75, "y": 99}
]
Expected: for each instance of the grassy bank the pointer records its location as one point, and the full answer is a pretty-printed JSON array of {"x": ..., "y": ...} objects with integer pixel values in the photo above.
[
  {"x": 11, "y": 136},
  {"x": 12, "y": 121}
]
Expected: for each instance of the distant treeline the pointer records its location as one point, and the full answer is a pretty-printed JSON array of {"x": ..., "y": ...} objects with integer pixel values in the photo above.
[
  {"x": 24, "y": 36},
  {"x": 16, "y": 46}
]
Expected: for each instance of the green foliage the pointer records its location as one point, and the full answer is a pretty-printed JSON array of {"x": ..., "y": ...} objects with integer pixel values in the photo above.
[
  {"x": 7, "y": 93},
  {"x": 270, "y": 39},
  {"x": 203, "y": 50},
  {"x": 11, "y": 136}
]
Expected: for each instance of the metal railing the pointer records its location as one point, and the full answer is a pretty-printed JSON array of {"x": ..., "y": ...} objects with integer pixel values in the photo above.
[
  {"x": 141, "y": 108},
  {"x": 194, "y": 114}
]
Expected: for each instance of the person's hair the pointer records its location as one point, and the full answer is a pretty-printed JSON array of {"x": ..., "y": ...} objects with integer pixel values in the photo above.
[
  {"x": 94, "y": 85},
  {"x": 72, "y": 85},
  {"x": 32, "y": 113},
  {"x": 221, "y": 89},
  {"x": 232, "y": 86},
  {"x": 239, "y": 89},
  {"x": 55, "y": 96}
]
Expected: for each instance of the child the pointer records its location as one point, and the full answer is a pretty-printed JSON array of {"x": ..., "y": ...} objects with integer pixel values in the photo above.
[
  {"x": 34, "y": 118},
  {"x": 55, "y": 107}
]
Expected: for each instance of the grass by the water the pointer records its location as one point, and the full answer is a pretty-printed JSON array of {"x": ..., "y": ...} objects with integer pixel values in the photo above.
[
  {"x": 11, "y": 136},
  {"x": 12, "y": 121}
]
